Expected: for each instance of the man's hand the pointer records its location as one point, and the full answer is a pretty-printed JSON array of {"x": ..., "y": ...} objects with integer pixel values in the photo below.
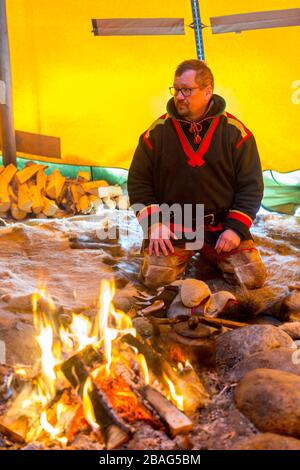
[
  {"x": 159, "y": 236},
  {"x": 227, "y": 241}
]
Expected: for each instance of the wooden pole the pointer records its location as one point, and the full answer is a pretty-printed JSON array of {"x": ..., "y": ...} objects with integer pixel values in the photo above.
[{"x": 8, "y": 137}]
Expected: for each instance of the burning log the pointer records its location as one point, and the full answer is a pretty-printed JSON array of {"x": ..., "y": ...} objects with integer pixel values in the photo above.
[
  {"x": 89, "y": 357},
  {"x": 15, "y": 430},
  {"x": 177, "y": 422},
  {"x": 153, "y": 359},
  {"x": 114, "y": 430}
]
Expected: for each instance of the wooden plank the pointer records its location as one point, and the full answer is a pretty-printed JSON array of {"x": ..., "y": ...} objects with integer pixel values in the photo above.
[
  {"x": 5, "y": 178},
  {"x": 28, "y": 172},
  {"x": 177, "y": 422},
  {"x": 37, "y": 144},
  {"x": 84, "y": 176},
  {"x": 49, "y": 208},
  {"x": 113, "y": 428},
  {"x": 15, "y": 430},
  {"x": 17, "y": 213},
  {"x": 24, "y": 199},
  {"x": 55, "y": 185},
  {"x": 41, "y": 181},
  {"x": 255, "y": 20},
  {"x": 84, "y": 204},
  {"x": 92, "y": 186},
  {"x": 37, "y": 200}
]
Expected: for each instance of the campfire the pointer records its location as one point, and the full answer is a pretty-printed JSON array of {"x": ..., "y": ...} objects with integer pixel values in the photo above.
[{"x": 94, "y": 375}]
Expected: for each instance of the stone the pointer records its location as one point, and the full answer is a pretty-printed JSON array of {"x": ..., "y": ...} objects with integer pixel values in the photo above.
[
  {"x": 292, "y": 301},
  {"x": 21, "y": 346},
  {"x": 268, "y": 441},
  {"x": 235, "y": 345},
  {"x": 7, "y": 320},
  {"x": 280, "y": 359},
  {"x": 193, "y": 292},
  {"x": 271, "y": 400},
  {"x": 292, "y": 329},
  {"x": 143, "y": 326},
  {"x": 124, "y": 298}
]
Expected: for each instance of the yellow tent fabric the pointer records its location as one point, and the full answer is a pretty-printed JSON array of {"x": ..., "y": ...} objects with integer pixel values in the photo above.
[{"x": 97, "y": 94}]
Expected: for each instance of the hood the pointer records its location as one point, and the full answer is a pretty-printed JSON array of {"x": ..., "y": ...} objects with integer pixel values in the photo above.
[{"x": 216, "y": 106}]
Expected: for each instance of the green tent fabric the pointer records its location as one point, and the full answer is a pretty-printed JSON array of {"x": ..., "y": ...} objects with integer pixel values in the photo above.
[{"x": 282, "y": 191}]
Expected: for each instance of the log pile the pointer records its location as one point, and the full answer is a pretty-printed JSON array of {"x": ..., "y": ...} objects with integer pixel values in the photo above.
[{"x": 31, "y": 193}]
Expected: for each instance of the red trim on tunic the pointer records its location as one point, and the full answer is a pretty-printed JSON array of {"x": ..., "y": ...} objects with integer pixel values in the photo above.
[
  {"x": 248, "y": 132},
  {"x": 241, "y": 218},
  {"x": 196, "y": 158},
  {"x": 147, "y": 141}
]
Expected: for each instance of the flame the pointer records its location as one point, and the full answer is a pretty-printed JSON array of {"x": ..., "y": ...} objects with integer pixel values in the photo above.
[
  {"x": 38, "y": 399},
  {"x": 88, "y": 409},
  {"x": 143, "y": 367},
  {"x": 175, "y": 397}
]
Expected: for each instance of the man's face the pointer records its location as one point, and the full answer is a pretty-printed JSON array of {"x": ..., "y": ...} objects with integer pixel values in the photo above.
[{"x": 191, "y": 107}]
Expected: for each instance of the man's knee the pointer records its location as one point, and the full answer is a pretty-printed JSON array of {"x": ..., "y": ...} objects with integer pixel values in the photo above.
[
  {"x": 157, "y": 271},
  {"x": 245, "y": 266}
]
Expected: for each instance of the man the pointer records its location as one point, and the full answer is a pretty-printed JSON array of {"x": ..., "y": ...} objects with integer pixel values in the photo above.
[{"x": 197, "y": 153}]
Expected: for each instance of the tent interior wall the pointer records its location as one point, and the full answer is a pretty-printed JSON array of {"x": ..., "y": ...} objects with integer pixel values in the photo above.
[{"x": 97, "y": 94}]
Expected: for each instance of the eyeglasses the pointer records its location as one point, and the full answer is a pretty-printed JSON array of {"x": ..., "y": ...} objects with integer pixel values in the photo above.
[{"x": 184, "y": 91}]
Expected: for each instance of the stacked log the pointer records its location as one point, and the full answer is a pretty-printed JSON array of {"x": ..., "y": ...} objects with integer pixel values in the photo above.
[{"x": 31, "y": 193}]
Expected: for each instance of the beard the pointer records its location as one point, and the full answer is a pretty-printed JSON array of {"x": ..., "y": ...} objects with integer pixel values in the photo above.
[{"x": 182, "y": 108}]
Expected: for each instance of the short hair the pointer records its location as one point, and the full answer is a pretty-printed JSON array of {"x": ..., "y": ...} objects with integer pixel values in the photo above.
[{"x": 204, "y": 76}]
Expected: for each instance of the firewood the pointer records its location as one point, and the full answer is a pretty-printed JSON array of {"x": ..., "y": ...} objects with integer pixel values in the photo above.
[
  {"x": 219, "y": 322},
  {"x": 12, "y": 195},
  {"x": 17, "y": 213},
  {"x": 5, "y": 178},
  {"x": 37, "y": 200},
  {"x": 122, "y": 202},
  {"x": 15, "y": 430},
  {"x": 92, "y": 186},
  {"x": 110, "y": 191},
  {"x": 41, "y": 181},
  {"x": 24, "y": 199},
  {"x": 109, "y": 203},
  {"x": 177, "y": 422},
  {"x": 55, "y": 185},
  {"x": 115, "y": 191},
  {"x": 83, "y": 176},
  {"x": 80, "y": 190},
  {"x": 114, "y": 430},
  {"x": 95, "y": 201},
  {"x": 84, "y": 204},
  {"x": 50, "y": 208},
  {"x": 89, "y": 357},
  {"x": 29, "y": 171},
  {"x": 153, "y": 359},
  {"x": 74, "y": 194}
]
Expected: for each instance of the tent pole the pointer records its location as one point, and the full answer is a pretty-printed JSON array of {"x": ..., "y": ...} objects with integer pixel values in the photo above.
[
  {"x": 197, "y": 25},
  {"x": 6, "y": 113}
]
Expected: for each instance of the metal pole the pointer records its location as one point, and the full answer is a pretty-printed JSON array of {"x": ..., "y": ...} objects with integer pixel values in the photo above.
[
  {"x": 8, "y": 137},
  {"x": 197, "y": 25}
]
